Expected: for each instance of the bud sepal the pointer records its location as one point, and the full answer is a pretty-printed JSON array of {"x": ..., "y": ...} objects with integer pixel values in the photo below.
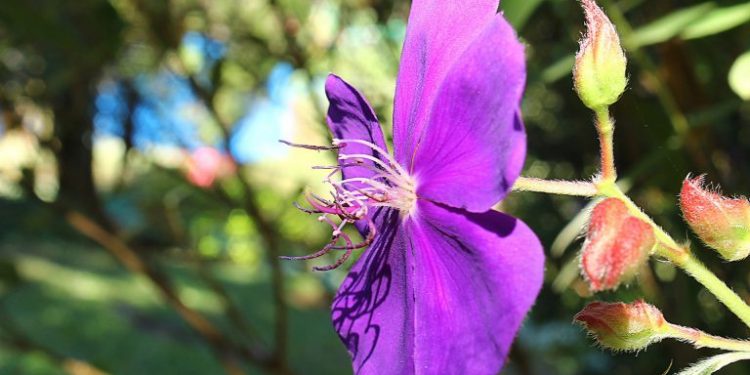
[
  {"x": 624, "y": 327},
  {"x": 617, "y": 245}
]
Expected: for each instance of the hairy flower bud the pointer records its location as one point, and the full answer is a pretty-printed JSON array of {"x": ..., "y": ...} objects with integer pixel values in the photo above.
[
  {"x": 599, "y": 72},
  {"x": 620, "y": 326},
  {"x": 722, "y": 223},
  {"x": 617, "y": 245}
]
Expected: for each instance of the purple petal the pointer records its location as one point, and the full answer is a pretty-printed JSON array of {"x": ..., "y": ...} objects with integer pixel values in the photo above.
[
  {"x": 473, "y": 147},
  {"x": 351, "y": 117},
  {"x": 437, "y": 33},
  {"x": 444, "y": 293},
  {"x": 373, "y": 309},
  {"x": 478, "y": 274}
]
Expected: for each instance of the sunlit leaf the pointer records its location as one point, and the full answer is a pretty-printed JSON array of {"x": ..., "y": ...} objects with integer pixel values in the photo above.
[
  {"x": 559, "y": 69},
  {"x": 689, "y": 23},
  {"x": 209, "y": 246},
  {"x": 718, "y": 20},
  {"x": 712, "y": 364},
  {"x": 518, "y": 11},
  {"x": 668, "y": 26},
  {"x": 238, "y": 224},
  {"x": 739, "y": 76}
]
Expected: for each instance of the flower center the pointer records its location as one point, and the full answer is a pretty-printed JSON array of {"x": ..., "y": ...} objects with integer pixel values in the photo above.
[
  {"x": 389, "y": 186},
  {"x": 386, "y": 184}
]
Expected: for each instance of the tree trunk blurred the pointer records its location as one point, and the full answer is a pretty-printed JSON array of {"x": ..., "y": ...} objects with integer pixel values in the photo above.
[{"x": 74, "y": 130}]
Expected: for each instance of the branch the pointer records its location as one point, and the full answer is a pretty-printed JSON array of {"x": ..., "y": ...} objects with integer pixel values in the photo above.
[
  {"x": 265, "y": 228},
  {"x": 225, "y": 350},
  {"x": 202, "y": 266}
]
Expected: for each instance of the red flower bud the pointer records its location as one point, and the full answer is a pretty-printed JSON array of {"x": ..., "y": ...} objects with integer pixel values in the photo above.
[
  {"x": 616, "y": 246},
  {"x": 722, "y": 223},
  {"x": 621, "y": 326}
]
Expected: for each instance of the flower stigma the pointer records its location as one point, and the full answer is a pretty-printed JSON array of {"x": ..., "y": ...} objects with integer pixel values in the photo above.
[{"x": 353, "y": 199}]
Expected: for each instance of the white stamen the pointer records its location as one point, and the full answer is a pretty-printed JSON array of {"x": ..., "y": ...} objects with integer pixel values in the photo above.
[
  {"x": 390, "y": 186},
  {"x": 384, "y": 154},
  {"x": 368, "y": 181},
  {"x": 370, "y": 158}
]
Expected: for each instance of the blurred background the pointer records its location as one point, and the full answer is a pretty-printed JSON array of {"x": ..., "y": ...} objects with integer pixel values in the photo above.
[{"x": 145, "y": 198}]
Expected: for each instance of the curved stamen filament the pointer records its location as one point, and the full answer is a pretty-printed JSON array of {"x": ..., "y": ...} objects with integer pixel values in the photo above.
[
  {"x": 309, "y": 147},
  {"x": 352, "y": 199},
  {"x": 398, "y": 182},
  {"x": 342, "y": 259},
  {"x": 367, "y": 241},
  {"x": 384, "y": 154},
  {"x": 327, "y": 248},
  {"x": 370, "y": 158},
  {"x": 368, "y": 181}
]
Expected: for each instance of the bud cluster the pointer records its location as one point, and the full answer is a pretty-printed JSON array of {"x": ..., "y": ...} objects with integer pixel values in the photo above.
[{"x": 620, "y": 238}]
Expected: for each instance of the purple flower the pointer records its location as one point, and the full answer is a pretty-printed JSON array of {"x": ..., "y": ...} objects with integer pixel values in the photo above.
[{"x": 446, "y": 281}]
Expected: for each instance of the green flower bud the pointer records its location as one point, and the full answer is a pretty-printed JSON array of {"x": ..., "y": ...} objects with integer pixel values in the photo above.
[
  {"x": 620, "y": 326},
  {"x": 599, "y": 72}
]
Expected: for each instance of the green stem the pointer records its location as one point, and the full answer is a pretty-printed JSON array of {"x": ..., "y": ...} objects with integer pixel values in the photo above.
[
  {"x": 702, "y": 339},
  {"x": 718, "y": 288},
  {"x": 577, "y": 188}
]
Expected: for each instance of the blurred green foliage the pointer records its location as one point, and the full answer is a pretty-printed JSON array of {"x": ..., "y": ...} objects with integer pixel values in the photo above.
[{"x": 64, "y": 298}]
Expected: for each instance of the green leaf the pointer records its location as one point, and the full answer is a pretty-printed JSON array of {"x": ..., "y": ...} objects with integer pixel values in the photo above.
[
  {"x": 668, "y": 26},
  {"x": 559, "y": 69},
  {"x": 712, "y": 364},
  {"x": 718, "y": 20},
  {"x": 739, "y": 76},
  {"x": 517, "y": 12}
]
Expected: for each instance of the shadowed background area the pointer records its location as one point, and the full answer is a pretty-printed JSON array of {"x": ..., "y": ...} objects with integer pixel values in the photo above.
[{"x": 145, "y": 198}]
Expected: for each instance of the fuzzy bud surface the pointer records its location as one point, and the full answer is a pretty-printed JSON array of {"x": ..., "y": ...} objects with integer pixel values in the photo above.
[
  {"x": 621, "y": 326},
  {"x": 599, "y": 71},
  {"x": 617, "y": 245},
  {"x": 720, "y": 222}
]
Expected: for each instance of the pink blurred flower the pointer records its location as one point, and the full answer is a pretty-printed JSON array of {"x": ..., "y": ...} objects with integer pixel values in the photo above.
[{"x": 206, "y": 164}]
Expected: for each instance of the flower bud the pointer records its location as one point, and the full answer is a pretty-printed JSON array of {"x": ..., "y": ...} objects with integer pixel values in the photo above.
[
  {"x": 620, "y": 326},
  {"x": 599, "y": 72},
  {"x": 617, "y": 245},
  {"x": 722, "y": 223}
]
